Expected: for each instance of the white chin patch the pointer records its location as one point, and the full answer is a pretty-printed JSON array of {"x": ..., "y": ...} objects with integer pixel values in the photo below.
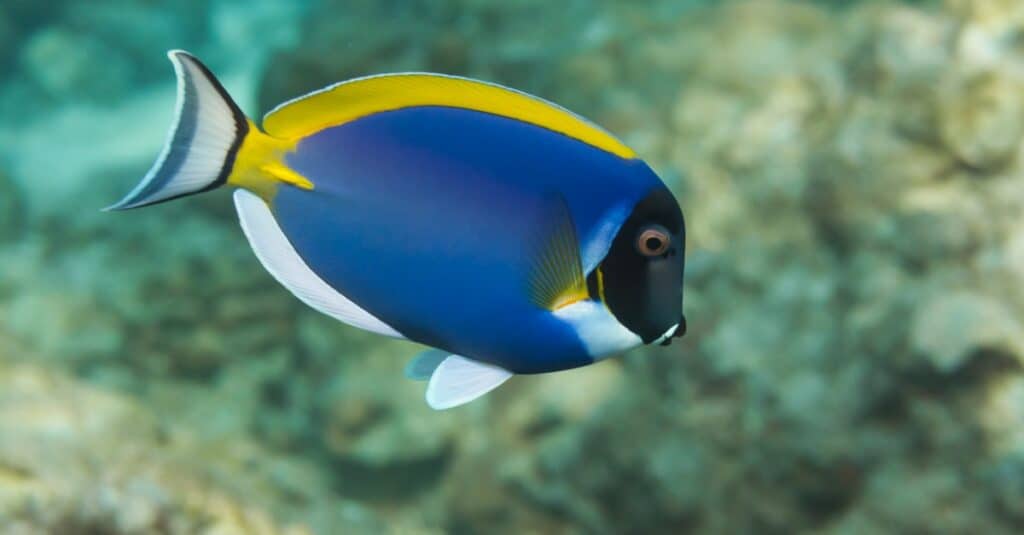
[
  {"x": 668, "y": 334},
  {"x": 600, "y": 332}
]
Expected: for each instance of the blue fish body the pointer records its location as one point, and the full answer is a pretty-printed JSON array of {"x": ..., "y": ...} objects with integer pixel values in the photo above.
[
  {"x": 419, "y": 215},
  {"x": 506, "y": 232}
]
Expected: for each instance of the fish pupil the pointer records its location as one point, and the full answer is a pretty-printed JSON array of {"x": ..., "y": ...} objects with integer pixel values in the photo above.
[{"x": 653, "y": 241}]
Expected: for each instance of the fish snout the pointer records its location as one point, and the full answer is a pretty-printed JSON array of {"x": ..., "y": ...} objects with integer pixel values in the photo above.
[
  {"x": 679, "y": 331},
  {"x": 681, "y": 328}
]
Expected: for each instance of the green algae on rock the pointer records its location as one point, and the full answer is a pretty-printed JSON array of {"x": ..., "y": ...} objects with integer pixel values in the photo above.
[{"x": 75, "y": 459}]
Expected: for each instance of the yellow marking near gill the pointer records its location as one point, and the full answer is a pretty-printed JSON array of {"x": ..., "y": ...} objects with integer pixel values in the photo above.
[
  {"x": 575, "y": 293},
  {"x": 362, "y": 97},
  {"x": 259, "y": 165},
  {"x": 600, "y": 285},
  {"x": 569, "y": 297}
]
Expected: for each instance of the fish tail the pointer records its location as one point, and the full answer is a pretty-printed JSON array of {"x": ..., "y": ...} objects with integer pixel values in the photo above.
[{"x": 211, "y": 143}]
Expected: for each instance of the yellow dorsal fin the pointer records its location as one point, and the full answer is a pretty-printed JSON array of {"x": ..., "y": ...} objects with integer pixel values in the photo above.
[{"x": 347, "y": 101}]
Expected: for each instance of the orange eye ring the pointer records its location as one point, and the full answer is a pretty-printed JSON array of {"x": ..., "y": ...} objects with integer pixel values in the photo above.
[{"x": 653, "y": 241}]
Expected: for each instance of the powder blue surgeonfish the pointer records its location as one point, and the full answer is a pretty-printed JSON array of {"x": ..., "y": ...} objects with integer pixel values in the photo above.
[{"x": 508, "y": 233}]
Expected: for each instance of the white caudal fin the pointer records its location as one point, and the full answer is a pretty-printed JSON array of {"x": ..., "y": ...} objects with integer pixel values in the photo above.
[
  {"x": 278, "y": 256},
  {"x": 459, "y": 380},
  {"x": 204, "y": 139}
]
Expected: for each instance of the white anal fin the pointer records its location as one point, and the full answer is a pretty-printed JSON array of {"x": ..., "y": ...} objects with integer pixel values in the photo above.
[
  {"x": 459, "y": 380},
  {"x": 279, "y": 258}
]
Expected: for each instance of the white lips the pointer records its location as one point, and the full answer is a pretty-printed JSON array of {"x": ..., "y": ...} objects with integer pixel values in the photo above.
[{"x": 668, "y": 334}]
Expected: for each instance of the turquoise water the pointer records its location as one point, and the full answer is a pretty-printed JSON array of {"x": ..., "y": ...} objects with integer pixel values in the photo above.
[{"x": 852, "y": 182}]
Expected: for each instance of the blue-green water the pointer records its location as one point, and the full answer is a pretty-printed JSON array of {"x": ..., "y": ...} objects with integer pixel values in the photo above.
[{"x": 852, "y": 181}]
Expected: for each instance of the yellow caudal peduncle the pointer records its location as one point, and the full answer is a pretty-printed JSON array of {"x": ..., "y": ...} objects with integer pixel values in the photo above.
[{"x": 260, "y": 167}]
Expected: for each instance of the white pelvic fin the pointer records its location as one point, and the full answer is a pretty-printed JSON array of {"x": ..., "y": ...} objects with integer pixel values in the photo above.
[
  {"x": 279, "y": 258},
  {"x": 200, "y": 150},
  {"x": 459, "y": 380},
  {"x": 422, "y": 366}
]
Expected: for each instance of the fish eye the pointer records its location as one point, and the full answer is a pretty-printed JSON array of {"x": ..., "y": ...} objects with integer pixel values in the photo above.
[{"x": 653, "y": 241}]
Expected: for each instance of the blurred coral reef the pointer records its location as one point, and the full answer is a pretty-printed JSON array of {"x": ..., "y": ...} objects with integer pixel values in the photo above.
[{"x": 854, "y": 193}]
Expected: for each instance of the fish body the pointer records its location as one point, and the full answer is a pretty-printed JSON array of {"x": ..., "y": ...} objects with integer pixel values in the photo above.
[
  {"x": 435, "y": 203},
  {"x": 484, "y": 222}
]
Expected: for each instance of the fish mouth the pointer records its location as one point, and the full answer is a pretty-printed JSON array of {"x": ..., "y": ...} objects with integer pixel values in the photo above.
[
  {"x": 676, "y": 331},
  {"x": 666, "y": 338}
]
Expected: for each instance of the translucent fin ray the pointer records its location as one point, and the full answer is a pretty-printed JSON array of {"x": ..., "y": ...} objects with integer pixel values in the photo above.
[
  {"x": 423, "y": 365},
  {"x": 556, "y": 277}
]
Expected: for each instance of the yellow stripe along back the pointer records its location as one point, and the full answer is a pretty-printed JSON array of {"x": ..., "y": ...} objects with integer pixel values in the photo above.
[{"x": 347, "y": 101}]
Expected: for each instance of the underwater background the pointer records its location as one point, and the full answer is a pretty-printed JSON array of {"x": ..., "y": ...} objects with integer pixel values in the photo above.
[{"x": 852, "y": 179}]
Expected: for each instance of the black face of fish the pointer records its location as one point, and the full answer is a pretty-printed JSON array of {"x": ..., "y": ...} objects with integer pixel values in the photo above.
[{"x": 643, "y": 271}]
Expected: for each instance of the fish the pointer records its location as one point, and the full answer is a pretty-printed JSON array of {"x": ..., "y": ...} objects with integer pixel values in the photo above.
[{"x": 504, "y": 232}]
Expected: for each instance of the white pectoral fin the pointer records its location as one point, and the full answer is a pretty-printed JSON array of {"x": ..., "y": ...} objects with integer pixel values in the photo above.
[
  {"x": 459, "y": 380},
  {"x": 279, "y": 258}
]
